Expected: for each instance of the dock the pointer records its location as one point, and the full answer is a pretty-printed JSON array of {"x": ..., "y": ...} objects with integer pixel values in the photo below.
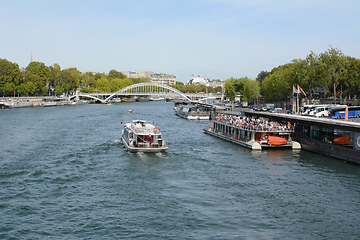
[{"x": 318, "y": 134}]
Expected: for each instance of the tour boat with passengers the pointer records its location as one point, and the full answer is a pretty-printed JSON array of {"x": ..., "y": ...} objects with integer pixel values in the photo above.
[
  {"x": 252, "y": 133},
  {"x": 142, "y": 136}
]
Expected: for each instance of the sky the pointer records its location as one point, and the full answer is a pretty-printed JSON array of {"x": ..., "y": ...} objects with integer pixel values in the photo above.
[{"x": 212, "y": 38}]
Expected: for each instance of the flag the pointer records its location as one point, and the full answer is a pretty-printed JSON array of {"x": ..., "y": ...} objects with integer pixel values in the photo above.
[
  {"x": 295, "y": 90},
  {"x": 301, "y": 90}
]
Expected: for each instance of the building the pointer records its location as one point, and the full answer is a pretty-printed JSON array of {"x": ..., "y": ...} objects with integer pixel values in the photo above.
[
  {"x": 163, "y": 78},
  {"x": 217, "y": 83},
  {"x": 207, "y": 82},
  {"x": 144, "y": 74},
  {"x": 198, "y": 80},
  {"x": 130, "y": 74}
]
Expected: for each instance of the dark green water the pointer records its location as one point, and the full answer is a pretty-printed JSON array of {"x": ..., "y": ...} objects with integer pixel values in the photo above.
[{"x": 65, "y": 175}]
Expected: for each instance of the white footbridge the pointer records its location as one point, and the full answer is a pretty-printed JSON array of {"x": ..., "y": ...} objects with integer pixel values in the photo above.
[{"x": 144, "y": 89}]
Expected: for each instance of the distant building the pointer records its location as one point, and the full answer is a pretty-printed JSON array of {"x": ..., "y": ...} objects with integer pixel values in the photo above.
[
  {"x": 130, "y": 74},
  {"x": 198, "y": 80},
  {"x": 162, "y": 78},
  {"x": 207, "y": 82},
  {"x": 217, "y": 83},
  {"x": 144, "y": 74}
]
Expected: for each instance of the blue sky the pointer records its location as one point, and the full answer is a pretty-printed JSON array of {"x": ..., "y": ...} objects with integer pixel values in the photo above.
[{"x": 220, "y": 38}]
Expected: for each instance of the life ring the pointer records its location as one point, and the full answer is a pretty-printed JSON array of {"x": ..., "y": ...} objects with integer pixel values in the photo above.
[{"x": 155, "y": 130}]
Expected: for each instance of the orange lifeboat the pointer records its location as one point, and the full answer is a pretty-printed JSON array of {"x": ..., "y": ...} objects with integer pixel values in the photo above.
[
  {"x": 276, "y": 140},
  {"x": 344, "y": 140}
]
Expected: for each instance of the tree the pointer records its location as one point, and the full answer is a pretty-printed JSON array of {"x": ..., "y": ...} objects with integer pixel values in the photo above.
[
  {"x": 115, "y": 74},
  {"x": 55, "y": 80},
  {"x": 261, "y": 76},
  {"x": 37, "y": 73},
  {"x": 102, "y": 85},
  {"x": 230, "y": 90},
  {"x": 71, "y": 79},
  {"x": 8, "y": 88},
  {"x": 116, "y": 84},
  {"x": 251, "y": 89},
  {"x": 335, "y": 62},
  {"x": 278, "y": 84},
  {"x": 352, "y": 82},
  {"x": 9, "y": 75}
]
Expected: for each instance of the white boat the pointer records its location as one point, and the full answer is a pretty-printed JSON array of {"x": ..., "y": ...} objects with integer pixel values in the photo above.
[
  {"x": 158, "y": 98},
  {"x": 80, "y": 102},
  {"x": 142, "y": 136},
  {"x": 17, "y": 104},
  {"x": 47, "y": 104},
  {"x": 192, "y": 112}
]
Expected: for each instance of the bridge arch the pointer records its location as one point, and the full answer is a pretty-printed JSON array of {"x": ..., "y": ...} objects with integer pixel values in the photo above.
[{"x": 147, "y": 88}]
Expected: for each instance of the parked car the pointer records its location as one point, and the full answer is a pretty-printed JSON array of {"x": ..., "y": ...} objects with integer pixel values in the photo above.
[{"x": 290, "y": 112}]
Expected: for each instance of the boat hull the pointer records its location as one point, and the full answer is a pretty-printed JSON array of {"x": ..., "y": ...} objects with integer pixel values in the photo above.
[
  {"x": 252, "y": 144},
  {"x": 18, "y": 104},
  {"x": 143, "y": 149},
  {"x": 192, "y": 116}
]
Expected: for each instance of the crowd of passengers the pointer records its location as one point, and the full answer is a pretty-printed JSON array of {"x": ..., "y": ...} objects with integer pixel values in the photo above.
[{"x": 252, "y": 123}]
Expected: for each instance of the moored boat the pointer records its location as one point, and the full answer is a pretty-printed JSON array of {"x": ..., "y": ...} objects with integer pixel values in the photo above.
[
  {"x": 192, "y": 112},
  {"x": 47, "y": 104},
  {"x": 80, "y": 102},
  {"x": 17, "y": 104},
  {"x": 142, "y": 136},
  {"x": 132, "y": 99},
  {"x": 252, "y": 133}
]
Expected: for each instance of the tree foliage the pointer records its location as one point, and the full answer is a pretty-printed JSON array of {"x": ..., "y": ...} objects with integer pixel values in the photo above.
[
  {"x": 245, "y": 86},
  {"x": 9, "y": 76},
  {"x": 316, "y": 75}
]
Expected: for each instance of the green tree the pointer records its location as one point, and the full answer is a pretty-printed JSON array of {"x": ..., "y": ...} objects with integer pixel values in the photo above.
[
  {"x": 116, "y": 84},
  {"x": 54, "y": 79},
  {"x": 70, "y": 79},
  {"x": 37, "y": 73},
  {"x": 115, "y": 74},
  {"x": 103, "y": 85},
  {"x": 278, "y": 84},
  {"x": 352, "y": 82},
  {"x": 261, "y": 76},
  {"x": 9, "y": 75},
  {"x": 251, "y": 89},
  {"x": 309, "y": 72},
  {"x": 230, "y": 90},
  {"x": 88, "y": 82},
  {"x": 8, "y": 88},
  {"x": 335, "y": 63}
]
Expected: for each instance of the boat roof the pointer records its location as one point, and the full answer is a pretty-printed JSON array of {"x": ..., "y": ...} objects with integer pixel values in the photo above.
[{"x": 142, "y": 127}]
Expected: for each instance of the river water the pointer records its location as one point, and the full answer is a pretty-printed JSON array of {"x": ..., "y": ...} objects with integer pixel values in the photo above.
[{"x": 65, "y": 175}]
